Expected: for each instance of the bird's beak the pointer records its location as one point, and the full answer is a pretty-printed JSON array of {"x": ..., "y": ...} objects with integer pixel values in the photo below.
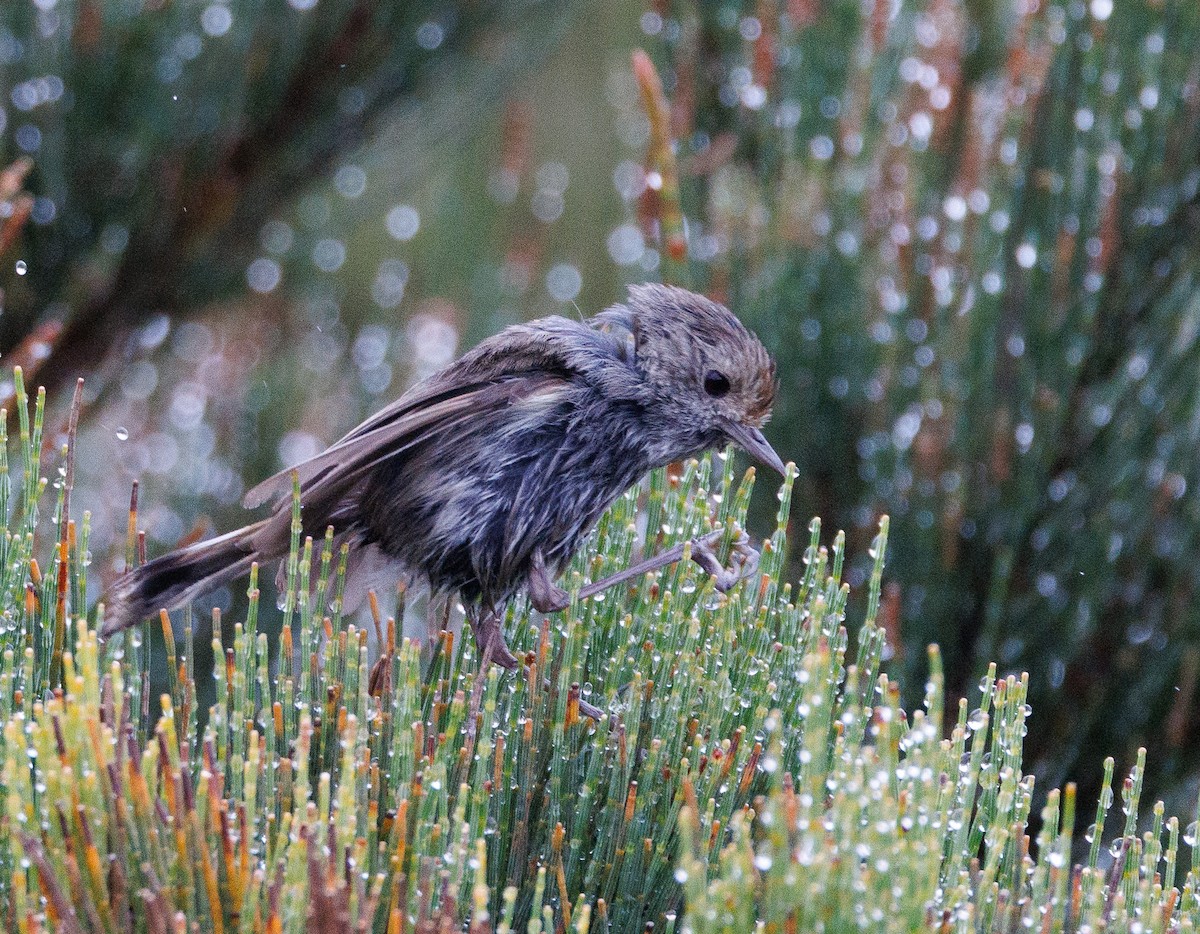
[{"x": 754, "y": 443}]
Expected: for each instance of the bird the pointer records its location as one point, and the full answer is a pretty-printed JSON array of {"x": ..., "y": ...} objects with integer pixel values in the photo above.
[{"x": 485, "y": 478}]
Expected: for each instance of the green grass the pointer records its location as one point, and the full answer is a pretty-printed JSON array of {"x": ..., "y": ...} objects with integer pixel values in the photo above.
[{"x": 757, "y": 773}]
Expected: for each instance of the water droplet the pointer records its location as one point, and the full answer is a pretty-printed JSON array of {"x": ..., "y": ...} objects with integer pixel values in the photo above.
[
  {"x": 21, "y": 267},
  {"x": 122, "y": 433}
]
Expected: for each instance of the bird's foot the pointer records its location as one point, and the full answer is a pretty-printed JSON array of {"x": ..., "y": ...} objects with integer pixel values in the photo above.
[
  {"x": 591, "y": 711},
  {"x": 743, "y": 560},
  {"x": 489, "y": 639}
]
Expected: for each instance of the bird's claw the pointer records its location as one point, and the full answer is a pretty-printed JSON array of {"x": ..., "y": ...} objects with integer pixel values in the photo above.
[
  {"x": 743, "y": 561},
  {"x": 489, "y": 638}
]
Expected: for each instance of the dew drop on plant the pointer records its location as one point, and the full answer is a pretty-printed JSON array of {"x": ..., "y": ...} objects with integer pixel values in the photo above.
[
  {"x": 122, "y": 433},
  {"x": 1189, "y": 834},
  {"x": 21, "y": 267}
]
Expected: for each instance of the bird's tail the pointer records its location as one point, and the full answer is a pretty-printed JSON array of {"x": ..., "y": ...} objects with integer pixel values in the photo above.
[{"x": 179, "y": 577}]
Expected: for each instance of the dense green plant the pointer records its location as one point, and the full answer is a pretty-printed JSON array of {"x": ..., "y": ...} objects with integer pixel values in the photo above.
[
  {"x": 970, "y": 232},
  {"x": 338, "y": 785}
]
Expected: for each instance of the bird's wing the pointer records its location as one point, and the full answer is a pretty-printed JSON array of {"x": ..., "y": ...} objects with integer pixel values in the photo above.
[
  {"x": 424, "y": 396},
  {"x": 550, "y": 346},
  {"x": 414, "y": 418}
]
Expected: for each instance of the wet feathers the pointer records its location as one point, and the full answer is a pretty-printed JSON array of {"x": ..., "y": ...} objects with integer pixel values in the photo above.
[{"x": 520, "y": 444}]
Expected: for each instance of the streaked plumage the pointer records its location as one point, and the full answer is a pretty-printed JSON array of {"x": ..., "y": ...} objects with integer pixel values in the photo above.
[{"x": 517, "y": 447}]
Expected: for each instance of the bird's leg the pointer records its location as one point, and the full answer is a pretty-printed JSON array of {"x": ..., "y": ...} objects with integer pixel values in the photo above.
[
  {"x": 489, "y": 638},
  {"x": 545, "y": 595},
  {"x": 743, "y": 562},
  {"x": 493, "y": 647},
  {"x": 591, "y": 711}
]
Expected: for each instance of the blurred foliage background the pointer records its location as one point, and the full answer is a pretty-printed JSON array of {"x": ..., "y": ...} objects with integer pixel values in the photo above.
[{"x": 968, "y": 230}]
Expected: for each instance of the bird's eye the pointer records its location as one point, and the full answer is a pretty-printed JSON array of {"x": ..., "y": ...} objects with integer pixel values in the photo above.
[{"x": 716, "y": 384}]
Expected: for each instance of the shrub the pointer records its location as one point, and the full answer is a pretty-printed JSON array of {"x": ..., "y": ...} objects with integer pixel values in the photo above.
[
  {"x": 755, "y": 772},
  {"x": 969, "y": 231}
]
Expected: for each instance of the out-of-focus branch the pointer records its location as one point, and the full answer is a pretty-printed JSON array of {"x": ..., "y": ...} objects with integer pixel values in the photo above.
[{"x": 207, "y": 195}]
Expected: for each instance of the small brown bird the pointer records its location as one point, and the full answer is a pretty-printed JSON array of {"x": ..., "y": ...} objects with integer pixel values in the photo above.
[{"x": 485, "y": 478}]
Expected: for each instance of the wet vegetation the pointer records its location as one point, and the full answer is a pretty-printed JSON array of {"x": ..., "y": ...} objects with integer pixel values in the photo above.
[
  {"x": 755, "y": 770},
  {"x": 968, "y": 232},
  {"x": 972, "y": 233}
]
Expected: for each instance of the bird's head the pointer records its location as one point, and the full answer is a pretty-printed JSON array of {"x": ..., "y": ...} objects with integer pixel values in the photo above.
[{"x": 717, "y": 376}]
